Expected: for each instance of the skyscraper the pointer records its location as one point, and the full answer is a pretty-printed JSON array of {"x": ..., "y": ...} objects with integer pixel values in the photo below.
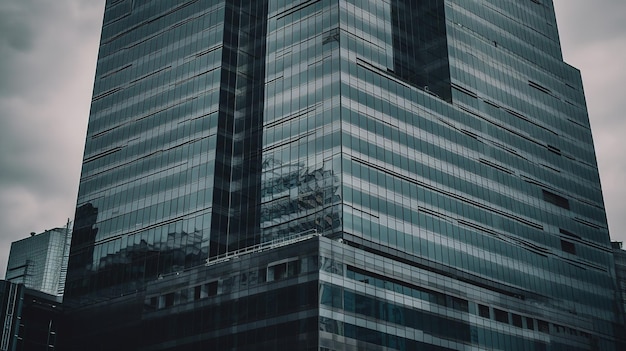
[
  {"x": 338, "y": 175},
  {"x": 40, "y": 261}
]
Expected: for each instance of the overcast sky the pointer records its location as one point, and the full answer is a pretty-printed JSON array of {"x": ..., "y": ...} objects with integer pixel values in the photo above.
[{"x": 48, "y": 53}]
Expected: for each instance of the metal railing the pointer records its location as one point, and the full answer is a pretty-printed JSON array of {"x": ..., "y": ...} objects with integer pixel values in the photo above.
[{"x": 278, "y": 242}]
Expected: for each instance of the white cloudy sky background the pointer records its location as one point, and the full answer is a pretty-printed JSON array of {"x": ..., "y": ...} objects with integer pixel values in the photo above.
[{"x": 48, "y": 52}]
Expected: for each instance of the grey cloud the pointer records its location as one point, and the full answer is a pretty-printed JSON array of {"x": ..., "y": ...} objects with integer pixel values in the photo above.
[
  {"x": 591, "y": 21},
  {"x": 14, "y": 31},
  {"x": 54, "y": 30},
  {"x": 47, "y": 62}
]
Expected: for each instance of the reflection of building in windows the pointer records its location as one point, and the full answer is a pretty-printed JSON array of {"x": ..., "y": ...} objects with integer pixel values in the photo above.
[{"x": 298, "y": 199}]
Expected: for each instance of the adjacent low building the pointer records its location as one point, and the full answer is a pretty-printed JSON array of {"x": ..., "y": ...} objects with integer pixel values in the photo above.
[{"x": 30, "y": 318}]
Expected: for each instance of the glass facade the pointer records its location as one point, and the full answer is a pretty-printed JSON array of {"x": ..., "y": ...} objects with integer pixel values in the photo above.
[
  {"x": 171, "y": 155},
  {"x": 620, "y": 271},
  {"x": 439, "y": 151},
  {"x": 39, "y": 262}
]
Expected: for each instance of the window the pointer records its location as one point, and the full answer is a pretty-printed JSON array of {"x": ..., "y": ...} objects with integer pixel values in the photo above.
[
  {"x": 568, "y": 233},
  {"x": 483, "y": 311},
  {"x": 283, "y": 270},
  {"x": 555, "y": 199},
  {"x": 209, "y": 289},
  {"x": 458, "y": 304},
  {"x": 543, "y": 326},
  {"x": 501, "y": 316},
  {"x": 331, "y": 295},
  {"x": 568, "y": 247},
  {"x": 169, "y": 300},
  {"x": 517, "y": 320}
]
